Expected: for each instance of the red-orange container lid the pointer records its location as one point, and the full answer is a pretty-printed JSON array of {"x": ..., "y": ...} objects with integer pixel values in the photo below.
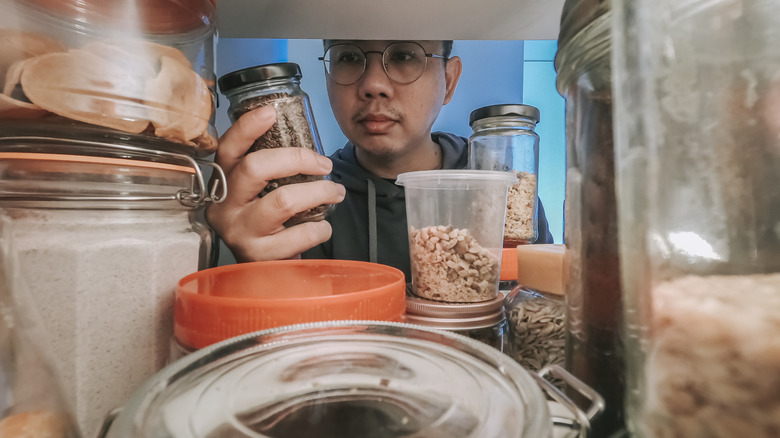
[
  {"x": 219, "y": 303},
  {"x": 508, "y": 264}
]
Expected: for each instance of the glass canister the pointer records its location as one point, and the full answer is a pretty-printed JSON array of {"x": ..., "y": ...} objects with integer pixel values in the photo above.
[
  {"x": 347, "y": 379},
  {"x": 278, "y": 85},
  {"x": 484, "y": 321},
  {"x": 504, "y": 139},
  {"x": 536, "y": 307},
  {"x": 139, "y": 69},
  {"x": 594, "y": 348},
  {"x": 697, "y": 100},
  {"x": 31, "y": 399},
  {"x": 101, "y": 242}
]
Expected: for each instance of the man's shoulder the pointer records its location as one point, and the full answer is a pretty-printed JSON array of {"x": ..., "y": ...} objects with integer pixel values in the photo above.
[{"x": 454, "y": 149}]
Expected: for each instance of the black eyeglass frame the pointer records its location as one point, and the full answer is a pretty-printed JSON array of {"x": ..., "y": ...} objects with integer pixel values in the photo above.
[{"x": 384, "y": 64}]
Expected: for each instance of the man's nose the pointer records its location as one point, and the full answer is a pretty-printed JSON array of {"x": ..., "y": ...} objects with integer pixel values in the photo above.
[{"x": 375, "y": 80}]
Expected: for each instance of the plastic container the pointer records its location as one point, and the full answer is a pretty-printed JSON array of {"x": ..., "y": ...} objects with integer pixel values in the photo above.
[
  {"x": 101, "y": 242},
  {"x": 278, "y": 85},
  {"x": 347, "y": 379},
  {"x": 536, "y": 307},
  {"x": 219, "y": 303},
  {"x": 455, "y": 220},
  {"x": 483, "y": 321},
  {"x": 699, "y": 208},
  {"x": 504, "y": 139},
  {"x": 593, "y": 290},
  {"x": 142, "y": 69}
]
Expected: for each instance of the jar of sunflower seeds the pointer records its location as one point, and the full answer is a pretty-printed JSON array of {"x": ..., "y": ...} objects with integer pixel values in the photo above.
[{"x": 536, "y": 308}]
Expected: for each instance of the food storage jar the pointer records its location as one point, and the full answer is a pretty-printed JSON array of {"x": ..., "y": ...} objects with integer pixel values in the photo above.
[
  {"x": 504, "y": 138},
  {"x": 593, "y": 290},
  {"x": 347, "y": 379},
  {"x": 139, "y": 69},
  {"x": 697, "y": 104},
  {"x": 101, "y": 242},
  {"x": 536, "y": 307},
  {"x": 278, "y": 85},
  {"x": 455, "y": 220},
  {"x": 219, "y": 303},
  {"x": 483, "y": 321},
  {"x": 31, "y": 398}
]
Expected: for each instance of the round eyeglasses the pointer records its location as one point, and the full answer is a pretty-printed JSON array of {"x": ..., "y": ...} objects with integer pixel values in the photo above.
[{"x": 404, "y": 62}]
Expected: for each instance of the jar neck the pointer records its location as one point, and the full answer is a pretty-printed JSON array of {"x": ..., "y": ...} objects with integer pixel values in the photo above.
[
  {"x": 521, "y": 123},
  {"x": 291, "y": 84}
]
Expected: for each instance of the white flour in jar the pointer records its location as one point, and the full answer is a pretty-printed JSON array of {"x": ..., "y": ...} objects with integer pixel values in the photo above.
[
  {"x": 103, "y": 282},
  {"x": 714, "y": 368}
]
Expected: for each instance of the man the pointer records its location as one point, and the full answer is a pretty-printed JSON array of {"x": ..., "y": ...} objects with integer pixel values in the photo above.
[{"x": 385, "y": 95}]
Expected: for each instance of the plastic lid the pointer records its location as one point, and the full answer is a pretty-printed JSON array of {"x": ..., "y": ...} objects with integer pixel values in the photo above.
[
  {"x": 219, "y": 303},
  {"x": 510, "y": 109},
  {"x": 541, "y": 267},
  {"x": 259, "y": 73},
  {"x": 508, "y": 264},
  {"x": 454, "y": 316},
  {"x": 451, "y": 178}
]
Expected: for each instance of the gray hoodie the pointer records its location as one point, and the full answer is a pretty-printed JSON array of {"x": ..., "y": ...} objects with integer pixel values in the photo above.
[{"x": 370, "y": 224}]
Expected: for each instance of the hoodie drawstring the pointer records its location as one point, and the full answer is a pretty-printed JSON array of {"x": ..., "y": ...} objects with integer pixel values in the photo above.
[{"x": 371, "y": 221}]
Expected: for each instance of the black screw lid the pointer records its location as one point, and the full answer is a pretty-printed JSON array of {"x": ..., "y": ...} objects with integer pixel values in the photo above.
[
  {"x": 259, "y": 73},
  {"x": 507, "y": 109}
]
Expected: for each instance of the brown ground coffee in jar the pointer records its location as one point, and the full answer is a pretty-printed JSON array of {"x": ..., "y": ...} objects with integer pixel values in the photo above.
[{"x": 277, "y": 85}]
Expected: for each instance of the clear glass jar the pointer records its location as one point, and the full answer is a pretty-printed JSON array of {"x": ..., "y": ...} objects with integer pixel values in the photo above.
[
  {"x": 537, "y": 327},
  {"x": 346, "y": 379},
  {"x": 483, "y": 321},
  {"x": 31, "y": 398},
  {"x": 593, "y": 289},
  {"x": 101, "y": 243},
  {"x": 504, "y": 139},
  {"x": 697, "y": 94},
  {"x": 278, "y": 85},
  {"x": 142, "y": 69}
]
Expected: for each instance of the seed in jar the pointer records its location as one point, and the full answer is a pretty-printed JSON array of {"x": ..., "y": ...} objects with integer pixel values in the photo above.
[
  {"x": 537, "y": 332},
  {"x": 449, "y": 272}
]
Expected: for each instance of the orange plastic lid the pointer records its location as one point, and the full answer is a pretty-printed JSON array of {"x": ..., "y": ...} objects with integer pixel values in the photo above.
[
  {"x": 508, "y": 264},
  {"x": 219, "y": 303}
]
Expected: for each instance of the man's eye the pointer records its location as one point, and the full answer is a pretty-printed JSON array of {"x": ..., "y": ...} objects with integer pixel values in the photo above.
[
  {"x": 349, "y": 58},
  {"x": 403, "y": 56}
]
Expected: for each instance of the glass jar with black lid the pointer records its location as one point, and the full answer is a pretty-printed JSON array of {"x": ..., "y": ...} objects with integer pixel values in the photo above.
[{"x": 278, "y": 85}]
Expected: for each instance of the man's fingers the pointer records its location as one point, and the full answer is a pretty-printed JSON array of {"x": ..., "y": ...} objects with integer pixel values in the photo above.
[
  {"x": 287, "y": 243},
  {"x": 253, "y": 172},
  {"x": 237, "y": 140}
]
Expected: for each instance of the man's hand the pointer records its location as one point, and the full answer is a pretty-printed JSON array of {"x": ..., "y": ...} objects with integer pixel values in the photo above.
[{"x": 253, "y": 227}]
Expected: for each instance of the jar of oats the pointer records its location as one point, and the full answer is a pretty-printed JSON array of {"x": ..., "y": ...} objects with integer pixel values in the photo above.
[
  {"x": 279, "y": 85},
  {"x": 504, "y": 139},
  {"x": 536, "y": 307}
]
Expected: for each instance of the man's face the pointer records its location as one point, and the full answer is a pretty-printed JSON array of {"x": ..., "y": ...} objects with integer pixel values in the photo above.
[{"x": 386, "y": 118}]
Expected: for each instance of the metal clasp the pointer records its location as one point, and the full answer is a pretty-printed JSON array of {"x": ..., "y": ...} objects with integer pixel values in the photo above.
[{"x": 581, "y": 419}]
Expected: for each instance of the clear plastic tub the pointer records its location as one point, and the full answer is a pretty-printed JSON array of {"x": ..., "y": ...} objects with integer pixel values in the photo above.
[{"x": 456, "y": 232}]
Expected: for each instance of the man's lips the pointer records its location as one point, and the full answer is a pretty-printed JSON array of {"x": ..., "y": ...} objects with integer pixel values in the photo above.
[{"x": 377, "y": 124}]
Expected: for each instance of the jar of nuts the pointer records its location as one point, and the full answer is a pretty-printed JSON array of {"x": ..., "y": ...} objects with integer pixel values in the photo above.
[
  {"x": 279, "y": 85},
  {"x": 483, "y": 321},
  {"x": 504, "y": 139}
]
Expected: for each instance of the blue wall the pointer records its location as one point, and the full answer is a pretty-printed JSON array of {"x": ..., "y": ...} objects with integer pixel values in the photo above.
[{"x": 493, "y": 72}]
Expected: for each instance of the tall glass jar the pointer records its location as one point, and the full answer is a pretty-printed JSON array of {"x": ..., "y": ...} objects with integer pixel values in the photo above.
[
  {"x": 138, "y": 68},
  {"x": 504, "y": 139},
  {"x": 101, "y": 242},
  {"x": 278, "y": 85},
  {"x": 594, "y": 351},
  {"x": 697, "y": 96}
]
